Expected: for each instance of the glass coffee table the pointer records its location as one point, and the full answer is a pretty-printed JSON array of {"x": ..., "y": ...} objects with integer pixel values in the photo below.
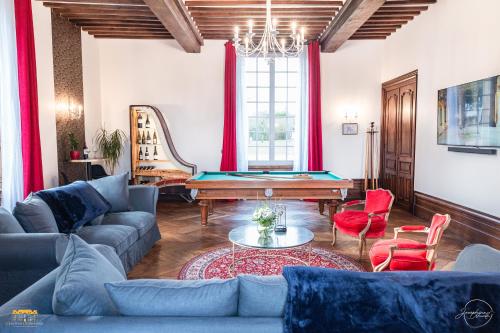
[{"x": 249, "y": 238}]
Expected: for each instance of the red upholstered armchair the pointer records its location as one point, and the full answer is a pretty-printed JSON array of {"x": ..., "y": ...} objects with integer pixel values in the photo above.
[
  {"x": 400, "y": 254},
  {"x": 368, "y": 223}
]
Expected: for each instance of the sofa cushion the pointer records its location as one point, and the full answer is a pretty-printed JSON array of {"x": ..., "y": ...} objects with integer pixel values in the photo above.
[
  {"x": 120, "y": 237},
  {"x": 35, "y": 215},
  {"x": 141, "y": 221},
  {"x": 115, "y": 190},
  {"x": 110, "y": 254},
  {"x": 183, "y": 298},
  {"x": 478, "y": 258},
  {"x": 8, "y": 223},
  {"x": 79, "y": 288},
  {"x": 74, "y": 205},
  {"x": 262, "y": 296}
]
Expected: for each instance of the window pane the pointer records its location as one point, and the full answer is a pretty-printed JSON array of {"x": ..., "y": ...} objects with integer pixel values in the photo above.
[
  {"x": 280, "y": 124},
  {"x": 263, "y": 80},
  {"x": 280, "y": 94},
  {"x": 290, "y": 153},
  {"x": 250, "y": 64},
  {"x": 263, "y": 94},
  {"x": 293, "y": 79},
  {"x": 252, "y": 124},
  {"x": 262, "y": 65},
  {"x": 252, "y": 153},
  {"x": 250, "y": 79},
  {"x": 250, "y": 108},
  {"x": 280, "y": 109},
  {"x": 263, "y": 109},
  {"x": 251, "y": 94},
  {"x": 280, "y": 153},
  {"x": 293, "y": 94},
  {"x": 280, "y": 80},
  {"x": 293, "y": 64},
  {"x": 280, "y": 64},
  {"x": 263, "y": 153}
]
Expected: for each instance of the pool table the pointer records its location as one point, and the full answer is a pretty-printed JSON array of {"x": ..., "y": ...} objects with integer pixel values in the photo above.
[{"x": 324, "y": 186}]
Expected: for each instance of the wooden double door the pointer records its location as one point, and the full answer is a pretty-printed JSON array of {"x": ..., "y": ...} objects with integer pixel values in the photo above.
[{"x": 399, "y": 101}]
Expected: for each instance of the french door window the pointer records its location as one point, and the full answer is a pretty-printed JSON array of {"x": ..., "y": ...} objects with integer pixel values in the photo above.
[{"x": 272, "y": 103}]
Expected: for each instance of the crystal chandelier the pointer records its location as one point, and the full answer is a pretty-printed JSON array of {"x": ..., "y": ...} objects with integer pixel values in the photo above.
[{"x": 269, "y": 47}]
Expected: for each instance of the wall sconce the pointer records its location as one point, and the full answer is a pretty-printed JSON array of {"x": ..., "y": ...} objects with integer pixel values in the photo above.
[{"x": 73, "y": 110}]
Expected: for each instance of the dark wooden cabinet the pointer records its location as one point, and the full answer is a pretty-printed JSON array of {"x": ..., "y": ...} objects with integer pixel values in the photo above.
[{"x": 399, "y": 101}]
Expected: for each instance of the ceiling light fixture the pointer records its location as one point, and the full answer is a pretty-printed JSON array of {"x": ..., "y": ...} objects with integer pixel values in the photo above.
[{"x": 269, "y": 47}]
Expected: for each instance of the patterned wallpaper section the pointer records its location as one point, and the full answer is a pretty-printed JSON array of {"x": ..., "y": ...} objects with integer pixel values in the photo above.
[{"x": 68, "y": 84}]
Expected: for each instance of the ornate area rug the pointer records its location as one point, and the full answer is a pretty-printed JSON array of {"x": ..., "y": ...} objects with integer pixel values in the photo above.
[{"x": 218, "y": 263}]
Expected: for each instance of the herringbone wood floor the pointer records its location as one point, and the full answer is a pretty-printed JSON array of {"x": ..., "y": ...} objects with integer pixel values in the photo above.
[{"x": 183, "y": 237}]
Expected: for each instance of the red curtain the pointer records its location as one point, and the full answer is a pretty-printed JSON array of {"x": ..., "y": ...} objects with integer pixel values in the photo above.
[
  {"x": 229, "y": 159},
  {"x": 315, "y": 147},
  {"x": 30, "y": 133}
]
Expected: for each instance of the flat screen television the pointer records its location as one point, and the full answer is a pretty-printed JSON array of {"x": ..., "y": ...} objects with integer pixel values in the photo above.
[{"x": 469, "y": 114}]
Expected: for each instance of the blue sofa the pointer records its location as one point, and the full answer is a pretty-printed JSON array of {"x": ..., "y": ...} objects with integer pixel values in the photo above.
[
  {"x": 255, "y": 298},
  {"x": 27, "y": 257}
]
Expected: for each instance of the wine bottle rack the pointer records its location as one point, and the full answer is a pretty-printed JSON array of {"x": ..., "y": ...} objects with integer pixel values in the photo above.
[{"x": 154, "y": 159}]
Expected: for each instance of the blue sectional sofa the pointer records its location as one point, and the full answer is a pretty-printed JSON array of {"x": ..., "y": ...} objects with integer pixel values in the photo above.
[
  {"x": 26, "y": 257},
  {"x": 257, "y": 304}
]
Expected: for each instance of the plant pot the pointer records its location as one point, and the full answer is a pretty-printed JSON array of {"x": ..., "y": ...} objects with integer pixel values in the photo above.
[{"x": 74, "y": 154}]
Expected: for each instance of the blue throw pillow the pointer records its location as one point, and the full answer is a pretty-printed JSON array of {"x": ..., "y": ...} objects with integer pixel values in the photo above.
[
  {"x": 74, "y": 205},
  {"x": 115, "y": 190},
  {"x": 79, "y": 288},
  {"x": 181, "y": 298},
  {"x": 35, "y": 215},
  {"x": 262, "y": 296},
  {"x": 8, "y": 223}
]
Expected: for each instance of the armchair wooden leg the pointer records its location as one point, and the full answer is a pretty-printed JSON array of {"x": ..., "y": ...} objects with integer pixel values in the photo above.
[
  {"x": 334, "y": 235},
  {"x": 360, "y": 247}
]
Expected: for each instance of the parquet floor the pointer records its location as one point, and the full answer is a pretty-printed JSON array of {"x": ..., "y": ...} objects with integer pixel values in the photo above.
[{"x": 183, "y": 237}]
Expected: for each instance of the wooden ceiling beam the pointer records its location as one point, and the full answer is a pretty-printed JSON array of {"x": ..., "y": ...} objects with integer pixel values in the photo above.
[
  {"x": 262, "y": 3},
  {"x": 124, "y": 12},
  {"x": 351, "y": 17},
  {"x": 117, "y": 23},
  {"x": 72, "y": 6},
  {"x": 133, "y": 29},
  {"x": 402, "y": 8},
  {"x": 110, "y": 18},
  {"x": 409, "y": 2},
  {"x": 363, "y": 37},
  {"x": 128, "y": 36},
  {"x": 177, "y": 20},
  {"x": 100, "y": 2}
]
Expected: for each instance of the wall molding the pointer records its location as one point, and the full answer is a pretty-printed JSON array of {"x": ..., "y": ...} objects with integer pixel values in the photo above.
[{"x": 466, "y": 223}]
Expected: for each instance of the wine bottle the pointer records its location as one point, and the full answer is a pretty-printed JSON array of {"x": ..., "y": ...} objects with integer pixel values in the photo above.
[
  {"x": 140, "y": 154},
  {"x": 155, "y": 154},
  {"x": 155, "y": 139},
  {"x": 148, "y": 139},
  {"x": 147, "y": 121},
  {"x": 146, "y": 155},
  {"x": 139, "y": 141},
  {"x": 139, "y": 120},
  {"x": 143, "y": 140},
  {"x": 86, "y": 152}
]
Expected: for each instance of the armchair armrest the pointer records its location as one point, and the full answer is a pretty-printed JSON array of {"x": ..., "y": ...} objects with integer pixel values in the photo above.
[
  {"x": 143, "y": 198},
  {"x": 351, "y": 203},
  {"x": 378, "y": 212},
  {"x": 412, "y": 229}
]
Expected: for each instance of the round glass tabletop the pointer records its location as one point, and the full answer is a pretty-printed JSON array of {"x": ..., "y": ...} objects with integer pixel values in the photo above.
[{"x": 248, "y": 236}]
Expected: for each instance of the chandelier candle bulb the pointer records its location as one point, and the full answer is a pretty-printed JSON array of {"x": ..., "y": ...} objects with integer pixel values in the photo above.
[
  {"x": 294, "y": 27},
  {"x": 236, "y": 33},
  {"x": 250, "y": 26}
]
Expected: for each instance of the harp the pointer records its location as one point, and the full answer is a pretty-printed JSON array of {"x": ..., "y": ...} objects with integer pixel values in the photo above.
[{"x": 153, "y": 158}]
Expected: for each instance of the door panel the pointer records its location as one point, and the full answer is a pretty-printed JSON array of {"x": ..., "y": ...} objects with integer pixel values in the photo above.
[{"x": 398, "y": 139}]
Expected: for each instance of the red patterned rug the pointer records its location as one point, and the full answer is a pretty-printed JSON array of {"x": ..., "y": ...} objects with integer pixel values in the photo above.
[{"x": 218, "y": 263}]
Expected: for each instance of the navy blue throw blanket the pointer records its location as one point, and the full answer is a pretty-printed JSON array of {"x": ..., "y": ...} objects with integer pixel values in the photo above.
[
  {"x": 74, "y": 205},
  {"x": 326, "y": 300}
]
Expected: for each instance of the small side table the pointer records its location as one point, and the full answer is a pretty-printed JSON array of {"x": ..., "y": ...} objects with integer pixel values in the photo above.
[{"x": 88, "y": 165}]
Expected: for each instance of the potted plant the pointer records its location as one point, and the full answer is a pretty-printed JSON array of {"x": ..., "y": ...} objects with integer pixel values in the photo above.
[
  {"x": 110, "y": 144},
  {"x": 73, "y": 145},
  {"x": 264, "y": 216}
]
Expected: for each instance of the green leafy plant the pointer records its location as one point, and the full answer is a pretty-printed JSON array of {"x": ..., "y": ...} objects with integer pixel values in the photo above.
[
  {"x": 73, "y": 141},
  {"x": 110, "y": 144}
]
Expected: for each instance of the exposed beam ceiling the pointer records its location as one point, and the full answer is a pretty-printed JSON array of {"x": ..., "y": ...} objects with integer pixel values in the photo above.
[
  {"x": 190, "y": 21},
  {"x": 351, "y": 17},
  {"x": 176, "y": 19}
]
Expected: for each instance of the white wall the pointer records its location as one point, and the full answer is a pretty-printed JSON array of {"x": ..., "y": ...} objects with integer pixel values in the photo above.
[
  {"x": 187, "y": 88},
  {"x": 91, "y": 86},
  {"x": 454, "y": 42},
  {"x": 350, "y": 82},
  {"x": 45, "y": 79}
]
